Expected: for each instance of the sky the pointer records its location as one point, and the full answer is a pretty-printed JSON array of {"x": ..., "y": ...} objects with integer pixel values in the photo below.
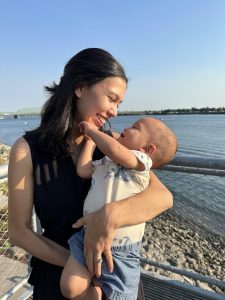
[{"x": 173, "y": 51}]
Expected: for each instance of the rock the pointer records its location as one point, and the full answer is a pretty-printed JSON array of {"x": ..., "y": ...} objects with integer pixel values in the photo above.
[
  {"x": 176, "y": 276},
  {"x": 158, "y": 232},
  {"x": 195, "y": 245},
  {"x": 172, "y": 262},
  {"x": 209, "y": 272},
  {"x": 217, "y": 290},
  {"x": 204, "y": 286},
  {"x": 181, "y": 257},
  {"x": 152, "y": 269},
  {"x": 218, "y": 271},
  {"x": 188, "y": 280},
  {"x": 144, "y": 255},
  {"x": 163, "y": 272},
  {"x": 145, "y": 247},
  {"x": 146, "y": 267},
  {"x": 190, "y": 260},
  {"x": 195, "y": 254}
]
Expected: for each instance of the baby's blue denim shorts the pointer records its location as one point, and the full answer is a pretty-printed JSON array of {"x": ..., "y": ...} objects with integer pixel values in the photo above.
[{"x": 122, "y": 283}]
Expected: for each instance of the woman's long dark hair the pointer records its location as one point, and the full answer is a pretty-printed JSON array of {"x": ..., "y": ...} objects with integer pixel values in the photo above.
[{"x": 86, "y": 68}]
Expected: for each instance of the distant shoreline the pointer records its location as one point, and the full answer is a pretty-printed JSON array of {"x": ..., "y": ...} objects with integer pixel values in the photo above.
[
  {"x": 129, "y": 113},
  {"x": 36, "y": 111},
  {"x": 132, "y": 113}
]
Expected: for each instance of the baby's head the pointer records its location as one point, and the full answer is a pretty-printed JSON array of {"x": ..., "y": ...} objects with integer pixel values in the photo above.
[{"x": 153, "y": 137}]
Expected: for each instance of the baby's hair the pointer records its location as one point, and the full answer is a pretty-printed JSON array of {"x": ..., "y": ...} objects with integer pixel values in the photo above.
[{"x": 166, "y": 144}]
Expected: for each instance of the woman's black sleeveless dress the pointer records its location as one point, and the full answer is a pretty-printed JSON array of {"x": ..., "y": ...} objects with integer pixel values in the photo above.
[{"x": 58, "y": 199}]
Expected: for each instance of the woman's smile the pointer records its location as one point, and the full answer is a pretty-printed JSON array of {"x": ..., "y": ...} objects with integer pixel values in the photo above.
[{"x": 101, "y": 119}]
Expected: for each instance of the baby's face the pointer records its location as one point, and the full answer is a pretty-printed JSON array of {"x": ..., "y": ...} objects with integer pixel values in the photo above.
[{"x": 137, "y": 136}]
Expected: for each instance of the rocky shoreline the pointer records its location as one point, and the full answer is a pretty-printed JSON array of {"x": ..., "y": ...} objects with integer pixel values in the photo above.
[
  {"x": 170, "y": 240},
  {"x": 4, "y": 157},
  {"x": 4, "y": 153}
]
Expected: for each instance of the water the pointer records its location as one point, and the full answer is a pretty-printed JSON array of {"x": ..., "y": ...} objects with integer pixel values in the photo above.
[
  {"x": 12, "y": 129},
  {"x": 197, "y": 198}
]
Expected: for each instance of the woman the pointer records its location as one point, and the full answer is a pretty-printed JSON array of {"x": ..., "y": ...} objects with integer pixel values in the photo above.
[{"x": 42, "y": 173}]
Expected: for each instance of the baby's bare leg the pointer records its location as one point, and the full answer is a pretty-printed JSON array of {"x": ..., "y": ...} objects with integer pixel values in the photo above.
[{"x": 75, "y": 282}]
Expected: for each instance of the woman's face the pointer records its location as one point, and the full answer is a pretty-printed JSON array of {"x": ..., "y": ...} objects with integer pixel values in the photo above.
[{"x": 98, "y": 103}]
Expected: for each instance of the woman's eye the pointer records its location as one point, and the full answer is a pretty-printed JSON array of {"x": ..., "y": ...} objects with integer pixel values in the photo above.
[{"x": 114, "y": 101}]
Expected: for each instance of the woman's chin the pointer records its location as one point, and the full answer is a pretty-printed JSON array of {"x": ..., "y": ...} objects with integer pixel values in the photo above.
[{"x": 97, "y": 122}]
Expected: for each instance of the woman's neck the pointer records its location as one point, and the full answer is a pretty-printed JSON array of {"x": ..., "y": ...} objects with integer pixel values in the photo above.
[
  {"x": 75, "y": 134},
  {"x": 75, "y": 141}
]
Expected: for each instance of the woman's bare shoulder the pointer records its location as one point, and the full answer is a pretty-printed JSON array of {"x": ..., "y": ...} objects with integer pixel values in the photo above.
[
  {"x": 20, "y": 171},
  {"x": 20, "y": 150}
]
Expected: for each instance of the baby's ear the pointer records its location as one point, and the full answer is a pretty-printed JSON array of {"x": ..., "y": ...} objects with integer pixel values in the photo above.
[{"x": 150, "y": 149}]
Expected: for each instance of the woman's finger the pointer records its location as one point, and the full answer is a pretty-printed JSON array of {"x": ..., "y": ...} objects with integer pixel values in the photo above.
[
  {"x": 88, "y": 255},
  {"x": 98, "y": 240},
  {"x": 90, "y": 263},
  {"x": 109, "y": 259},
  {"x": 98, "y": 264}
]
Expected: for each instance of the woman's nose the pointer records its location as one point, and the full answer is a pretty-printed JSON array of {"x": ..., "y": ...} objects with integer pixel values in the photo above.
[{"x": 113, "y": 111}]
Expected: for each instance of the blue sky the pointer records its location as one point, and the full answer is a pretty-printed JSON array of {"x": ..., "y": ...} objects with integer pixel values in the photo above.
[{"x": 173, "y": 50}]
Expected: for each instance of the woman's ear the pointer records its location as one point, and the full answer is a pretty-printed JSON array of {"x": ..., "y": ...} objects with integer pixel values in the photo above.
[{"x": 78, "y": 92}]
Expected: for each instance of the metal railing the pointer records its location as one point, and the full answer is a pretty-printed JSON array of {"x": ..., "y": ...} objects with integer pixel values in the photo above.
[
  {"x": 196, "y": 165},
  {"x": 14, "y": 261}
]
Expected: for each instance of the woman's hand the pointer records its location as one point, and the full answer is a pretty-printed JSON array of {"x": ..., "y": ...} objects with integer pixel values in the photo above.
[{"x": 99, "y": 235}]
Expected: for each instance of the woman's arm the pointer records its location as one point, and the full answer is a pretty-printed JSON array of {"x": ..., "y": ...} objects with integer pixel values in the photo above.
[
  {"x": 102, "y": 224},
  {"x": 20, "y": 181},
  {"x": 142, "y": 207}
]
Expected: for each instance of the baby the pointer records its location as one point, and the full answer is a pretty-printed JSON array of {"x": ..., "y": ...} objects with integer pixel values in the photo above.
[{"x": 123, "y": 172}]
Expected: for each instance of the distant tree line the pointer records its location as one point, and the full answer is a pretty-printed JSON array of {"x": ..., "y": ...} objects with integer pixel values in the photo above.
[{"x": 180, "y": 111}]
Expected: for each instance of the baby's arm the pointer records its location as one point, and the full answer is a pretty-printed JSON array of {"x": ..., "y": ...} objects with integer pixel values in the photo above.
[
  {"x": 111, "y": 147},
  {"x": 84, "y": 162}
]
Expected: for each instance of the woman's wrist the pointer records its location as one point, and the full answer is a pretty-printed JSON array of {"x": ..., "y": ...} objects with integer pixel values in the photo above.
[{"x": 112, "y": 215}]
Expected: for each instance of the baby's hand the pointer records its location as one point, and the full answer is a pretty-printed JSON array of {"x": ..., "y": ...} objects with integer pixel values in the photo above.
[{"x": 85, "y": 127}]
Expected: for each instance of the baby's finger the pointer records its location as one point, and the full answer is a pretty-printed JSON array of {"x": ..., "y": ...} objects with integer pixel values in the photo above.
[
  {"x": 81, "y": 127},
  {"x": 80, "y": 222}
]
